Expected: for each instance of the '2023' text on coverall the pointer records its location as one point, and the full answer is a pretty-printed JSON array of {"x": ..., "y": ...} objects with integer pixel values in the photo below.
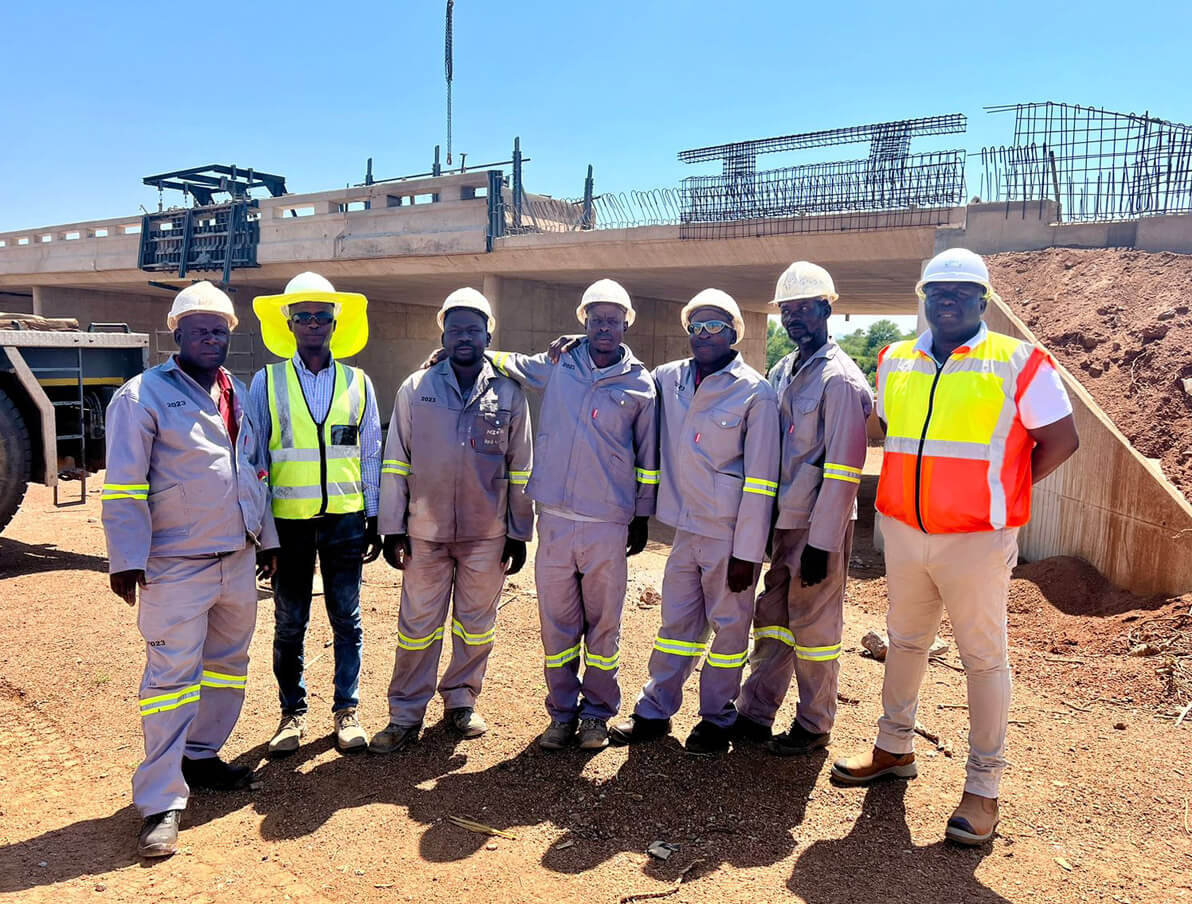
[
  {"x": 453, "y": 479},
  {"x": 719, "y": 478},
  {"x": 823, "y": 404},
  {"x": 186, "y": 507},
  {"x": 595, "y": 469}
]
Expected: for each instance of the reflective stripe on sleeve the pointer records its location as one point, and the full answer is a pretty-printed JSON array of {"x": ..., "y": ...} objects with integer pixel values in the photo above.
[
  {"x": 833, "y": 471},
  {"x": 125, "y": 491},
  {"x": 166, "y": 702},
  {"x": 761, "y": 487},
  {"x": 393, "y": 466},
  {"x": 519, "y": 478},
  {"x": 499, "y": 360},
  {"x": 647, "y": 476}
]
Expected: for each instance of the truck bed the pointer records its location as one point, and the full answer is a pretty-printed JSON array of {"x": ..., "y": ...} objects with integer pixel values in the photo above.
[{"x": 39, "y": 339}]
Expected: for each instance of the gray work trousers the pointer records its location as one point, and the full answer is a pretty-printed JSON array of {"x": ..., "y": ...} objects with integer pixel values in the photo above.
[
  {"x": 696, "y": 602},
  {"x": 468, "y": 576},
  {"x": 797, "y": 630},
  {"x": 197, "y": 615},
  {"x": 581, "y": 573}
]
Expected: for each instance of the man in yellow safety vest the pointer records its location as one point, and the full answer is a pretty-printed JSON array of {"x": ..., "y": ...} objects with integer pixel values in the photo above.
[{"x": 321, "y": 434}]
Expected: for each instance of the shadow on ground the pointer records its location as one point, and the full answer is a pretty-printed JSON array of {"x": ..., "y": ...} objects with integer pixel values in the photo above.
[
  {"x": 878, "y": 861},
  {"x": 17, "y": 558}
]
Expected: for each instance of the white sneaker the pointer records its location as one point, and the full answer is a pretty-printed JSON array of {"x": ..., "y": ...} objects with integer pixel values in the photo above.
[
  {"x": 349, "y": 735},
  {"x": 289, "y": 735}
]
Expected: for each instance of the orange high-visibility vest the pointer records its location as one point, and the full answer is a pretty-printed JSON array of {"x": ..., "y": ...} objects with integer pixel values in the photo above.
[{"x": 957, "y": 457}]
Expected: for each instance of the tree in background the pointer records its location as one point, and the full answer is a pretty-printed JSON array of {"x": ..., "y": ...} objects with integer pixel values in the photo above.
[
  {"x": 861, "y": 345},
  {"x": 778, "y": 343}
]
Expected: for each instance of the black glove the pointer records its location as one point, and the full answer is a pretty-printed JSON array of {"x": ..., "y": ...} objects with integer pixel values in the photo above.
[
  {"x": 397, "y": 550},
  {"x": 513, "y": 556},
  {"x": 639, "y": 533},
  {"x": 372, "y": 540},
  {"x": 740, "y": 574},
  {"x": 813, "y": 566}
]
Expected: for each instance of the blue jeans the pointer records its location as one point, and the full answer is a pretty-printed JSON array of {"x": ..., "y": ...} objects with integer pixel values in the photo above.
[{"x": 338, "y": 540}]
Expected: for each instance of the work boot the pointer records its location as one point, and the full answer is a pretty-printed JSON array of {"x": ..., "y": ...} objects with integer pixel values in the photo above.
[
  {"x": 466, "y": 721},
  {"x": 974, "y": 821},
  {"x": 288, "y": 736},
  {"x": 213, "y": 774},
  {"x": 747, "y": 729},
  {"x": 867, "y": 767},
  {"x": 593, "y": 734},
  {"x": 559, "y": 734},
  {"x": 798, "y": 741},
  {"x": 394, "y": 738},
  {"x": 707, "y": 739},
  {"x": 638, "y": 728},
  {"x": 349, "y": 736},
  {"x": 159, "y": 834}
]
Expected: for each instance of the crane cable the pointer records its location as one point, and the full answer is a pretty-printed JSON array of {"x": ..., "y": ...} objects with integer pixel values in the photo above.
[{"x": 447, "y": 69}]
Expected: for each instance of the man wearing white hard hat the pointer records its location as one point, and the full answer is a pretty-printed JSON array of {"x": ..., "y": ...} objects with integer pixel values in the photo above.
[
  {"x": 455, "y": 518},
  {"x": 185, "y": 511},
  {"x": 973, "y": 418},
  {"x": 718, "y": 429},
  {"x": 321, "y": 437},
  {"x": 824, "y": 401},
  {"x": 595, "y": 480}
]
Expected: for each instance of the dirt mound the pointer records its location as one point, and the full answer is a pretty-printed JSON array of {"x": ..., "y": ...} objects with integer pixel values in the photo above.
[
  {"x": 1119, "y": 321},
  {"x": 1073, "y": 587}
]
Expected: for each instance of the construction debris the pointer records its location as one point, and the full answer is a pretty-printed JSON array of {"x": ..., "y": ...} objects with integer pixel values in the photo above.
[
  {"x": 479, "y": 827},
  {"x": 875, "y": 644}
]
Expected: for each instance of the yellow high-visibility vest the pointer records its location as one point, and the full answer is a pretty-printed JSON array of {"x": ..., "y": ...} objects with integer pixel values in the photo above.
[
  {"x": 315, "y": 467},
  {"x": 957, "y": 456}
]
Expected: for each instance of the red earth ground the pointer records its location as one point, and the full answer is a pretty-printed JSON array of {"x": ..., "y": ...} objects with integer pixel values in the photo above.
[
  {"x": 1094, "y": 805},
  {"x": 1119, "y": 321}
]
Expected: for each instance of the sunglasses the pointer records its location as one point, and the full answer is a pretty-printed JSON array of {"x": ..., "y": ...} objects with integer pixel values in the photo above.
[
  {"x": 712, "y": 326},
  {"x": 303, "y": 318}
]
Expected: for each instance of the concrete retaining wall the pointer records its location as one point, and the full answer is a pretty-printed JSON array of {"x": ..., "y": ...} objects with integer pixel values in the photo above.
[{"x": 1107, "y": 504}]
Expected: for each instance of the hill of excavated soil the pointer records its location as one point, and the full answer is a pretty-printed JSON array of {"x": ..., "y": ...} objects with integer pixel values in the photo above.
[{"x": 1119, "y": 321}]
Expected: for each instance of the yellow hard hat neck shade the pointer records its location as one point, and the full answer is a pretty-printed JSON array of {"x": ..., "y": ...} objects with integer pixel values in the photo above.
[{"x": 351, "y": 324}]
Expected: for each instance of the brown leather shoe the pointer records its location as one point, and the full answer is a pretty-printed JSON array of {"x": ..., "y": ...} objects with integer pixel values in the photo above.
[
  {"x": 974, "y": 821},
  {"x": 867, "y": 767}
]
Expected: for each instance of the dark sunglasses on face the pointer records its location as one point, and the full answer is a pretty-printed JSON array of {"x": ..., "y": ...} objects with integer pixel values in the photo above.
[
  {"x": 303, "y": 318},
  {"x": 712, "y": 326}
]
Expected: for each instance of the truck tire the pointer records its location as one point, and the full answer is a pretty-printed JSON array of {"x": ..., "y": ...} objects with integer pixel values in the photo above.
[{"x": 16, "y": 459}]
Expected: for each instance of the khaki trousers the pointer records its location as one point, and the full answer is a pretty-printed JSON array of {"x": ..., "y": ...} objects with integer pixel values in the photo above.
[{"x": 969, "y": 574}]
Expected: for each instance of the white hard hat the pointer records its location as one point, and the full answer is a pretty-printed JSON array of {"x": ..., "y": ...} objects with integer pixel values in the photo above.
[
  {"x": 715, "y": 298},
  {"x": 312, "y": 284},
  {"x": 803, "y": 279},
  {"x": 606, "y": 291},
  {"x": 201, "y": 298},
  {"x": 468, "y": 298},
  {"x": 955, "y": 265}
]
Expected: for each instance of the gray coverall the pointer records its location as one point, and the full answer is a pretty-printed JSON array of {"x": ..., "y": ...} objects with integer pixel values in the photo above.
[
  {"x": 823, "y": 406},
  {"x": 180, "y": 504},
  {"x": 453, "y": 479},
  {"x": 719, "y": 478},
  {"x": 595, "y": 469}
]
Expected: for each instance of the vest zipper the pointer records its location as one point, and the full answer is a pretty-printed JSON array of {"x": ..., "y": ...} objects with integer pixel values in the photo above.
[{"x": 939, "y": 369}]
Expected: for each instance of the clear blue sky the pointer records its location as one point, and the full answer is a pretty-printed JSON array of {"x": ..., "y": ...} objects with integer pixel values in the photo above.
[{"x": 99, "y": 95}]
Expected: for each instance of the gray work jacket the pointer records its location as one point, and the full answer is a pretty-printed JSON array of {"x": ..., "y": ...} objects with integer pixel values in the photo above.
[
  {"x": 596, "y": 452},
  {"x": 719, "y": 453},
  {"x": 823, "y": 405},
  {"x": 174, "y": 485},
  {"x": 455, "y": 468}
]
